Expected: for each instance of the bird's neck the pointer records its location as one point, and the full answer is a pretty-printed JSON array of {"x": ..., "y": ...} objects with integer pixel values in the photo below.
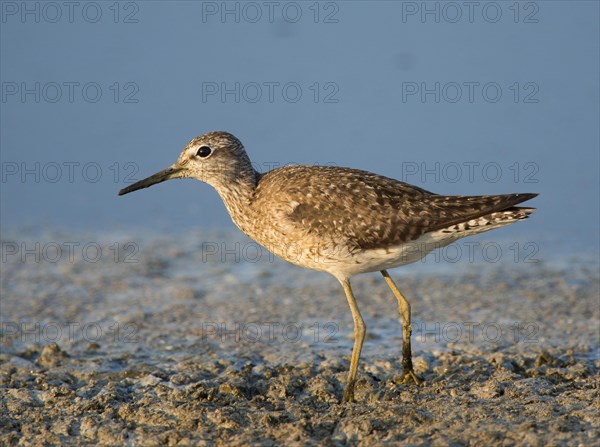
[{"x": 237, "y": 195}]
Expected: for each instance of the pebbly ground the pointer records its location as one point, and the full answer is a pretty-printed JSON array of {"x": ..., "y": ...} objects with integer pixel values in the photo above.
[{"x": 173, "y": 342}]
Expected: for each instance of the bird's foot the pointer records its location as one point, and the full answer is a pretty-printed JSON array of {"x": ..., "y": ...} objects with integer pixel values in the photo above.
[
  {"x": 408, "y": 375},
  {"x": 349, "y": 392}
]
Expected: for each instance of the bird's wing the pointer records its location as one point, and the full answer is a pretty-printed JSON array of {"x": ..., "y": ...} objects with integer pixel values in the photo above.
[{"x": 367, "y": 210}]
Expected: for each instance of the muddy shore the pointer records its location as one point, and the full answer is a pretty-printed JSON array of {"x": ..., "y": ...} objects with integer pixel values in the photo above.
[{"x": 180, "y": 349}]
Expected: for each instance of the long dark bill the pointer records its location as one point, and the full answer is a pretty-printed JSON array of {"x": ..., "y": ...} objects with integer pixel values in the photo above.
[{"x": 166, "y": 174}]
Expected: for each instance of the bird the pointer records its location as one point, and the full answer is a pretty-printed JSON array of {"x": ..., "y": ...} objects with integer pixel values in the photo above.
[{"x": 338, "y": 220}]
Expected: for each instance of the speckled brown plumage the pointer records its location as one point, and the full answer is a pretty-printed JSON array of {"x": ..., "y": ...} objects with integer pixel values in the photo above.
[
  {"x": 367, "y": 210},
  {"x": 339, "y": 220}
]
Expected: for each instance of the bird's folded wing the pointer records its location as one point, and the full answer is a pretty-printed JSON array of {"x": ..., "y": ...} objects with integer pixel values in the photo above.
[{"x": 367, "y": 210}]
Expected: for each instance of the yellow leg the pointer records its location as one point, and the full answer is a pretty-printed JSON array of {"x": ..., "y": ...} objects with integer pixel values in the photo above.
[
  {"x": 408, "y": 373},
  {"x": 359, "y": 336}
]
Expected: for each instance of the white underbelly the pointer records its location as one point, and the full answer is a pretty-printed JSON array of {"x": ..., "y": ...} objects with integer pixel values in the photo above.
[{"x": 378, "y": 259}]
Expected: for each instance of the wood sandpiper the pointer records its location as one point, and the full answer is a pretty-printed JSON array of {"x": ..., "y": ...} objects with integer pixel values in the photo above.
[{"x": 338, "y": 220}]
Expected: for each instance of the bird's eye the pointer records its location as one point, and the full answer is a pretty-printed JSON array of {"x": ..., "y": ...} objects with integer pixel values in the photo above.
[{"x": 204, "y": 151}]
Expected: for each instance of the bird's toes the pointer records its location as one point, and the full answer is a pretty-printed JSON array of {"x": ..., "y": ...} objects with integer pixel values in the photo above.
[{"x": 410, "y": 376}]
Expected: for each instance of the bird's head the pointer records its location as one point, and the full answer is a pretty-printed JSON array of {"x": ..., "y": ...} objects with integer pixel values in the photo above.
[{"x": 216, "y": 158}]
